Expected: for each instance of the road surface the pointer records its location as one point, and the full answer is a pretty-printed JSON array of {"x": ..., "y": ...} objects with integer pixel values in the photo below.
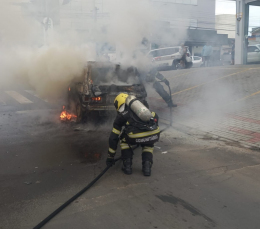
[{"x": 197, "y": 181}]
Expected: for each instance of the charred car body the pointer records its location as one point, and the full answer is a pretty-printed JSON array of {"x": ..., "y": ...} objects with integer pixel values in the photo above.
[{"x": 93, "y": 93}]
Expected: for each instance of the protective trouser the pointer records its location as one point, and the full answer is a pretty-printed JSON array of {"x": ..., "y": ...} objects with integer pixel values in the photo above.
[
  {"x": 147, "y": 151},
  {"x": 160, "y": 90}
]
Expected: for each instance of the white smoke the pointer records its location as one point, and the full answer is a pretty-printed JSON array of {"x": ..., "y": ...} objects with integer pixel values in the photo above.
[{"x": 49, "y": 61}]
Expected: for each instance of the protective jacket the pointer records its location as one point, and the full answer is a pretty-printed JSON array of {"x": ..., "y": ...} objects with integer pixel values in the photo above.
[{"x": 135, "y": 131}]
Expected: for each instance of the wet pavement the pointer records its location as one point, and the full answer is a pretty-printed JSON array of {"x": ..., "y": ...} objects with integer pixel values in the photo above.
[{"x": 199, "y": 179}]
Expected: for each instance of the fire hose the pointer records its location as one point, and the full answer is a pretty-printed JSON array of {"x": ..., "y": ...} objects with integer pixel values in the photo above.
[
  {"x": 170, "y": 91},
  {"x": 58, "y": 210},
  {"x": 48, "y": 218}
]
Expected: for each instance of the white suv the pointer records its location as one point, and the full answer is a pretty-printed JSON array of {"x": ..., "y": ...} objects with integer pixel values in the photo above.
[
  {"x": 253, "y": 53},
  {"x": 164, "y": 57}
]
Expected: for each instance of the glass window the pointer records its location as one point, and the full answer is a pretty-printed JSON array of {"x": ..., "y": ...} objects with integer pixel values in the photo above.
[
  {"x": 196, "y": 58},
  {"x": 169, "y": 51},
  {"x": 163, "y": 52},
  {"x": 251, "y": 48},
  {"x": 153, "y": 53}
]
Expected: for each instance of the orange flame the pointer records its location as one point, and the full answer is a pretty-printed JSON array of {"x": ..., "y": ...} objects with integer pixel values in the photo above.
[{"x": 66, "y": 116}]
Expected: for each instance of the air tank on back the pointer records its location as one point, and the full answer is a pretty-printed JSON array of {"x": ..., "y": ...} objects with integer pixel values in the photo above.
[{"x": 138, "y": 108}]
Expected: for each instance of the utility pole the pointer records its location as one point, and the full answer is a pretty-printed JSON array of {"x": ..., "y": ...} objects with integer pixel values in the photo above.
[
  {"x": 47, "y": 22},
  {"x": 95, "y": 9}
]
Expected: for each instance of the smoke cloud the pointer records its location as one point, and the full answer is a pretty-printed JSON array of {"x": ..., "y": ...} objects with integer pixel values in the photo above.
[{"x": 47, "y": 61}]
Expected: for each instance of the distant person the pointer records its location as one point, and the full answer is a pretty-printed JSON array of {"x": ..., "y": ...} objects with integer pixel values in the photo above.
[
  {"x": 183, "y": 52},
  {"x": 233, "y": 53},
  {"x": 206, "y": 53}
]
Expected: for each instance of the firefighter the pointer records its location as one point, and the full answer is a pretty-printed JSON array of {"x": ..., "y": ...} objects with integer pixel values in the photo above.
[
  {"x": 141, "y": 128},
  {"x": 152, "y": 77}
]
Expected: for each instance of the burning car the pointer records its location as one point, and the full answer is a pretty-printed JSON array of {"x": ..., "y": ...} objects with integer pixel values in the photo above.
[{"x": 93, "y": 93}]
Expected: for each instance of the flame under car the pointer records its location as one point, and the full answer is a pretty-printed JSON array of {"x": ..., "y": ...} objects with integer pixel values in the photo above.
[{"x": 93, "y": 93}]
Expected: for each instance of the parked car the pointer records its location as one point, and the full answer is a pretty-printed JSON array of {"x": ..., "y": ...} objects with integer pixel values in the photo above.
[
  {"x": 253, "y": 53},
  {"x": 164, "y": 57},
  {"x": 93, "y": 93},
  {"x": 197, "y": 61}
]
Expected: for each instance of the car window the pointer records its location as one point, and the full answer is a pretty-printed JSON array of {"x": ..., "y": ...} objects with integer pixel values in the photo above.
[
  {"x": 106, "y": 75},
  {"x": 251, "y": 48},
  {"x": 196, "y": 58},
  {"x": 174, "y": 50},
  {"x": 163, "y": 52},
  {"x": 168, "y": 52},
  {"x": 153, "y": 53},
  {"x": 156, "y": 53}
]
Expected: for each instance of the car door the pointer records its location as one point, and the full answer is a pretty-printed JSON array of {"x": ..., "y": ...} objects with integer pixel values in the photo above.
[
  {"x": 252, "y": 55},
  {"x": 197, "y": 61},
  {"x": 168, "y": 53},
  {"x": 257, "y": 50}
]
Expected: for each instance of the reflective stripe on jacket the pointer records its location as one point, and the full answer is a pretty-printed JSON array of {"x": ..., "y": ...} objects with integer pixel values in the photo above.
[{"x": 125, "y": 119}]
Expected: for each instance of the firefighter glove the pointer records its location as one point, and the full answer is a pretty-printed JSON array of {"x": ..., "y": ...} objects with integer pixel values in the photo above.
[
  {"x": 166, "y": 82},
  {"x": 110, "y": 161}
]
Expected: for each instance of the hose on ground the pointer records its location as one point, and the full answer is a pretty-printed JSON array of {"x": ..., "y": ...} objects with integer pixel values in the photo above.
[
  {"x": 48, "y": 218},
  {"x": 58, "y": 210}
]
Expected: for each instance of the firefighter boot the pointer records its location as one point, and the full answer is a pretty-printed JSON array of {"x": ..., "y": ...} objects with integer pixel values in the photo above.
[
  {"x": 147, "y": 165},
  {"x": 127, "y": 166}
]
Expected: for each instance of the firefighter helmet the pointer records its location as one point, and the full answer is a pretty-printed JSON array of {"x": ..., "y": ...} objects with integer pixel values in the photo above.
[{"x": 120, "y": 101}]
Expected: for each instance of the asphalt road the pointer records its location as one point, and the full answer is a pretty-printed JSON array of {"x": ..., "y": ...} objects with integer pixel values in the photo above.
[{"x": 196, "y": 182}]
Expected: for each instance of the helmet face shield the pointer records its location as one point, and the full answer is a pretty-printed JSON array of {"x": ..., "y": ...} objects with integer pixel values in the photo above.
[{"x": 122, "y": 108}]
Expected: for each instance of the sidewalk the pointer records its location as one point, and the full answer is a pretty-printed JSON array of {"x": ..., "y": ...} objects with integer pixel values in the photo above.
[{"x": 222, "y": 102}]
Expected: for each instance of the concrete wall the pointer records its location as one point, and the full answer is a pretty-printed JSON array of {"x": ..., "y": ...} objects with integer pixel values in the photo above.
[
  {"x": 226, "y": 24},
  {"x": 199, "y": 14},
  {"x": 185, "y": 13}
]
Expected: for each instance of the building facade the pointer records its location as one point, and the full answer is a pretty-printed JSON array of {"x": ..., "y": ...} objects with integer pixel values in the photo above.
[
  {"x": 226, "y": 24},
  {"x": 197, "y": 18},
  {"x": 187, "y": 13},
  {"x": 180, "y": 21},
  {"x": 255, "y": 36}
]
